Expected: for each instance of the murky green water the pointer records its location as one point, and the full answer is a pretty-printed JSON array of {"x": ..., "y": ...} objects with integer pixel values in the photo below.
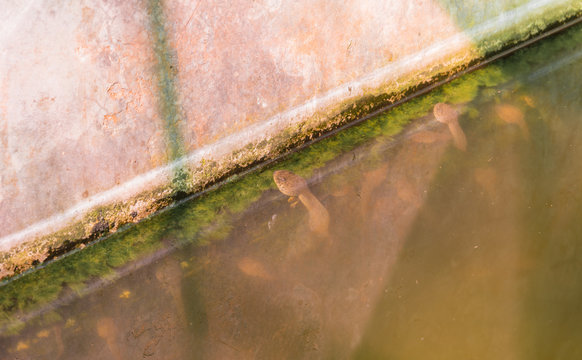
[{"x": 428, "y": 251}]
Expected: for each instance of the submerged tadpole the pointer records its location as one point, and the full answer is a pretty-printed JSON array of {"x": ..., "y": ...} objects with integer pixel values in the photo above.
[
  {"x": 107, "y": 330},
  {"x": 447, "y": 114},
  {"x": 427, "y": 137},
  {"x": 252, "y": 267},
  {"x": 59, "y": 340},
  {"x": 294, "y": 185},
  {"x": 512, "y": 115},
  {"x": 170, "y": 274}
]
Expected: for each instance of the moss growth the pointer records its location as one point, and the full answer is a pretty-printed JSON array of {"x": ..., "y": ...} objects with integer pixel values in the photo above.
[
  {"x": 96, "y": 223},
  {"x": 472, "y": 14}
]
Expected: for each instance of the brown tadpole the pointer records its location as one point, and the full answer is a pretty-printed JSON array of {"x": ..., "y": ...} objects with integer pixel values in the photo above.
[
  {"x": 253, "y": 268},
  {"x": 170, "y": 274},
  {"x": 59, "y": 340},
  {"x": 371, "y": 180},
  {"x": 428, "y": 137},
  {"x": 107, "y": 330},
  {"x": 529, "y": 101},
  {"x": 291, "y": 184},
  {"x": 447, "y": 114},
  {"x": 512, "y": 115}
]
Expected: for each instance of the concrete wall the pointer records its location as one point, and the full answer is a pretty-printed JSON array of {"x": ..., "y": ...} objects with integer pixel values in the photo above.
[{"x": 110, "y": 110}]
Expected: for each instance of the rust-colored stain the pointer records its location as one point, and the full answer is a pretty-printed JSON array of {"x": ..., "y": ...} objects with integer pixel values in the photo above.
[
  {"x": 44, "y": 103},
  {"x": 110, "y": 118}
]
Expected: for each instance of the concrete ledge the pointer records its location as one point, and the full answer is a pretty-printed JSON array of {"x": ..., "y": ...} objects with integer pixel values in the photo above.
[{"x": 154, "y": 99}]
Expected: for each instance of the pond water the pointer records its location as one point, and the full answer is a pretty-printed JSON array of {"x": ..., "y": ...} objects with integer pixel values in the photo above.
[{"x": 412, "y": 244}]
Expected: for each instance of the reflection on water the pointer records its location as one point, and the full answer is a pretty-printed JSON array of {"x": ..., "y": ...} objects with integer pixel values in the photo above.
[{"x": 457, "y": 239}]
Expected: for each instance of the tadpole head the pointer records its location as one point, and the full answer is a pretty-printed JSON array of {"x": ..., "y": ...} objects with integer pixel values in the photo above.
[
  {"x": 445, "y": 113},
  {"x": 289, "y": 183}
]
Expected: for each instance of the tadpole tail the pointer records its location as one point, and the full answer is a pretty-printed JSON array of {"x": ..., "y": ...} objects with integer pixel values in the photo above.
[{"x": 458, "y": 135}]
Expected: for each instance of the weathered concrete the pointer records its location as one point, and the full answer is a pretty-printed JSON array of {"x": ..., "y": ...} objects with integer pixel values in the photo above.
[{"x": 111, "y": 110}]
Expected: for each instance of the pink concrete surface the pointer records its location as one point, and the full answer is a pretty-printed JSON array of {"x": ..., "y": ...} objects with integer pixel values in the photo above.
[
  {"x": 78, "y": 112},
  {"x": 242, "y": 61}
]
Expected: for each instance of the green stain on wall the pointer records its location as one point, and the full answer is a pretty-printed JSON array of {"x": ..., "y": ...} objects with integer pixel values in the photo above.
[
  {"x": 168, "y": 96},
  {"x": 468, "y": 14}
]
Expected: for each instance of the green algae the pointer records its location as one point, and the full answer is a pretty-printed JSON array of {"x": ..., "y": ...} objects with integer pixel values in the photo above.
[{"x": 94, "y": 224}]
